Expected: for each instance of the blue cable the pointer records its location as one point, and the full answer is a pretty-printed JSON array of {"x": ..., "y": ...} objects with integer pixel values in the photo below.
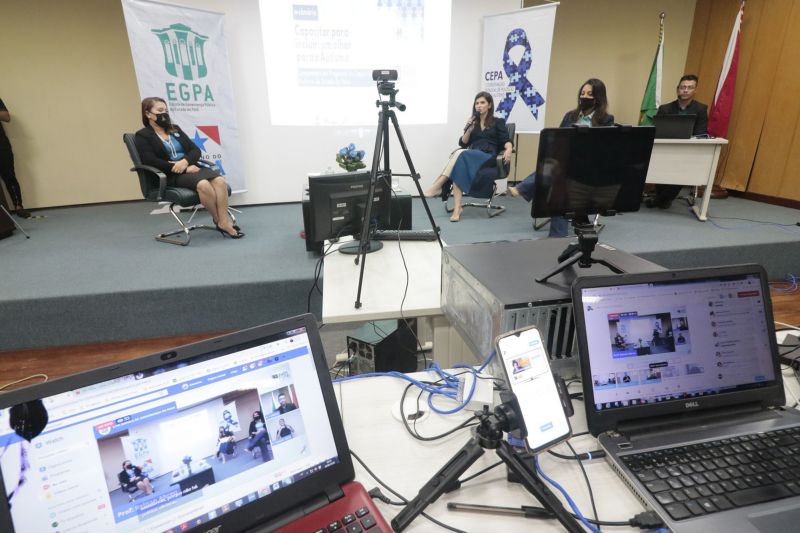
[
  {"x": 790, "y": 279},
  {"x": 449, "y": 388},
  {"x": 566, "y": 496}
]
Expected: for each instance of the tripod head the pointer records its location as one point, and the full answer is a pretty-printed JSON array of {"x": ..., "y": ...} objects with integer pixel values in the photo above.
[
  {"x": 506, "y": 417},
  {"x": 386, "y": 87}
]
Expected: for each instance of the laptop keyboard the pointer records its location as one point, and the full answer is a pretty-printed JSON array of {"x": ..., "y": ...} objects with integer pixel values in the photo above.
[
  {"x": 718, "y": 475},
  {"x": 355, "y": 522}
]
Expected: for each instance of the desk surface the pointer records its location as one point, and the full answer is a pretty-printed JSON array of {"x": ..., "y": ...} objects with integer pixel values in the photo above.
[
  {"x": 406, "y": 464},
  {"x": 384, "y": 287}
]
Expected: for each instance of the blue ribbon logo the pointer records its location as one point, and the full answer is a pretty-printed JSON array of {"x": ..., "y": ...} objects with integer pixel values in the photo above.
[{"x": 519, "y": 84}]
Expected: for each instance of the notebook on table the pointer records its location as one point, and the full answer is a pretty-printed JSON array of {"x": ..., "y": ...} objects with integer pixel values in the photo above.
[
  {"x": 674, "y": 126},
  {"x": 683, "y": 387},
  {"x": 234, "y": 434}
]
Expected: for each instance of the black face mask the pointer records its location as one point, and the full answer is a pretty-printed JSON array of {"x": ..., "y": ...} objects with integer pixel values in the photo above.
[
  {"x": 163, "y": 120},
  {"x": 585, "y": 103}
]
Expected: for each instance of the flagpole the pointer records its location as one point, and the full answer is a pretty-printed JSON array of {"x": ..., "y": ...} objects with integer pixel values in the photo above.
[{"x": 652, "y": 92}]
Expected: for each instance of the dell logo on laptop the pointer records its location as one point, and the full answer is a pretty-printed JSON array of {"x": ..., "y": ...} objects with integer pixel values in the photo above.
[
  {"x": 214, "y": 530},
  {"x": 691, "y": 405}
]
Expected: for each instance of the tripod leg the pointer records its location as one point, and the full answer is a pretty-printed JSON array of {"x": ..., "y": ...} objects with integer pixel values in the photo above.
[
  {"x": 439, "y": 483},
  {"x": 415, "y": 177},
  {"x": 362, "y": 250},
  {"x": 14, "y": 221},
  {"x": 561, "y": 267},
  {"x": 538, "y": 488}
]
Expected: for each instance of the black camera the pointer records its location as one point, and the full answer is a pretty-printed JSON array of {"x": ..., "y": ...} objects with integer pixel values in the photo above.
[{"x": 384, "y": 75}]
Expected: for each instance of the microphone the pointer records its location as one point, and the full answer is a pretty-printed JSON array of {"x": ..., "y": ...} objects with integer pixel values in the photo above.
[{"x": 476, "y": 117}]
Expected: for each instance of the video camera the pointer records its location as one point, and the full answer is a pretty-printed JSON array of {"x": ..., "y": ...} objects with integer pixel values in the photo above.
[{"x": 385, "y": 79}]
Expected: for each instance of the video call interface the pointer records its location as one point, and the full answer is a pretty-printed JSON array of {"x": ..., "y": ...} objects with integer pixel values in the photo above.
[
  {"x": 172, "y": 448},
  {"x": 659, "y": 342}
]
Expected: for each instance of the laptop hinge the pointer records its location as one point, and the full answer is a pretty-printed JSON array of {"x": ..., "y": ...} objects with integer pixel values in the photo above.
[
  {"x": 725, "y": 415},
  {"x": 329, "y": 495}
]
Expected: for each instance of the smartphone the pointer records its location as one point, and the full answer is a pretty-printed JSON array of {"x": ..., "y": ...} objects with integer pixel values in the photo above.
[{"x": 527, "y": 369}]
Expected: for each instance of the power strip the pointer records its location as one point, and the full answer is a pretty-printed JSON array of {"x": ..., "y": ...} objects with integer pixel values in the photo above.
[
  {"x": 792, "y": 339},
  {"x": 483, "y": 394}
]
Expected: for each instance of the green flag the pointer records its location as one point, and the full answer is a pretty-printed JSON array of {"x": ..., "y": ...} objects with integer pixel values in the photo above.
[{"x": 652, "y": 93}]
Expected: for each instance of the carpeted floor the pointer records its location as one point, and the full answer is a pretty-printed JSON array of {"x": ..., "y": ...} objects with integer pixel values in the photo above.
[{"x": 95, "y": 273}]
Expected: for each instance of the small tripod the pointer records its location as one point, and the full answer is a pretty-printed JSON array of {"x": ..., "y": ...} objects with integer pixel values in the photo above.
[
  {"x": 580, "y": 252},
  {"x": 488, "y": 436},
  {"x": 385, "y": 88}
]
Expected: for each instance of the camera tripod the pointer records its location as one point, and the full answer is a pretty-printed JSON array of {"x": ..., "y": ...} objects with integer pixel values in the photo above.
[
  {"x": 488, "y": 435},
  {"x": 382, "y": 152}
]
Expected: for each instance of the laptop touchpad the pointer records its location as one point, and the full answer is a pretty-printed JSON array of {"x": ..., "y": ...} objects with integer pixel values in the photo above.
[{"x": 782, "y": 520}]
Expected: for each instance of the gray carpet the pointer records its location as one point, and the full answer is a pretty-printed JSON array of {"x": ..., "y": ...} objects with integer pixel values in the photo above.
[{"x": 95, "y": 274}]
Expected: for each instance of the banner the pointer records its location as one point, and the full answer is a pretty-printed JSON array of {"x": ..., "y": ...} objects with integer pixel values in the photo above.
[
  {"x": 516, "y": 63},
  {"x": 180, "y": 55}
]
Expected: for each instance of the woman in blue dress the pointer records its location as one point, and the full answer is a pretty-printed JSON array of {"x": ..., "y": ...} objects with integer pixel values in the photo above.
[{"x": 485, "y": 136}]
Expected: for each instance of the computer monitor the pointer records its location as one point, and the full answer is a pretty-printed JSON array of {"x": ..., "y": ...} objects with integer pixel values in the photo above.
[
  {"x": 338, "y": 201},
  {"x": 584, "y": 171}
]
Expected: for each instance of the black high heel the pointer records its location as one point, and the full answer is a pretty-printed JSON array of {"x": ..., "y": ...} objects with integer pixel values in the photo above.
[{"x": 238, "y": 234}]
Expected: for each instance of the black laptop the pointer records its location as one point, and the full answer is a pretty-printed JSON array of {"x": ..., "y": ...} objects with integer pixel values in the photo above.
[
  {"x": 683, "y": 386},
  {"x": 237, "y": 433},
  {"x": 674, "y": 126}
]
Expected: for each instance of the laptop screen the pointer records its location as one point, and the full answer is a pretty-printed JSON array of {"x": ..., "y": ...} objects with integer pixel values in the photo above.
[
  {"x": 171, "y": 447},
  {"x": 674, "y": 339}
]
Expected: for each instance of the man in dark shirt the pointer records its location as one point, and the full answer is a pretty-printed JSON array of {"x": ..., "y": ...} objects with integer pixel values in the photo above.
[
  {"x": 7, "y": 166},
  {"x": 684, "y": 105}
]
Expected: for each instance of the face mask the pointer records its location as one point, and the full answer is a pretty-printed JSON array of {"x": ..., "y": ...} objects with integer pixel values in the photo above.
[
  {"x": 585, "y": 103},
  {"x": 162, "y": 119}
]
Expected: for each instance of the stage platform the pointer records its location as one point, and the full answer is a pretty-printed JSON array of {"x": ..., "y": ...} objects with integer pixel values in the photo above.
[{"x": 95, "y": 274}]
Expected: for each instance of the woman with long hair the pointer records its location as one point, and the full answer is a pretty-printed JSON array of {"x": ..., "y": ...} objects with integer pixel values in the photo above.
[
  {"x": 484, "y": 137},
  {"x": 164, "y": 145}
]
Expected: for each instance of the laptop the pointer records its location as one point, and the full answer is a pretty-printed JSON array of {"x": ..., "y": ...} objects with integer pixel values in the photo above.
[
  {"x": 238, "y": 433},
  {"x": 674, "y": 126},
  {"x": 683, "y": 388}
]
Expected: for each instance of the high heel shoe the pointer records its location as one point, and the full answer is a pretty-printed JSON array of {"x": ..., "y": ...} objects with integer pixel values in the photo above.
[{"x": 237, "y": 235}]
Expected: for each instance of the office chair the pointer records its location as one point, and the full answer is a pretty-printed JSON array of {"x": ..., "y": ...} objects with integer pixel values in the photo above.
[
  {"x": 132, "y": 491},
  {"x": 485, "y": 184},
  {"x": 154, "y": 187}
]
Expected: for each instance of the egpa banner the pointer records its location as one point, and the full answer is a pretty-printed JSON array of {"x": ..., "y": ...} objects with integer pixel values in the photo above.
[
  {"x": 180, "y": 55},
  {"x": 516, "y": 63}
]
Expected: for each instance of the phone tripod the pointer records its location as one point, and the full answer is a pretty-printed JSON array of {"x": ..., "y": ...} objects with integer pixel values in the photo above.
[
  {"x": 580, "y": 252},
  {"x": 382, "y": 152},
  {"x": 488, "y": 436}
]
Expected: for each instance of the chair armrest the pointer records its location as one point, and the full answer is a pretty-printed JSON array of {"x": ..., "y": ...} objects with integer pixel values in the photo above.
[
  {"x": 162, "y": 178},
  {"x": 502, "y": 167}
]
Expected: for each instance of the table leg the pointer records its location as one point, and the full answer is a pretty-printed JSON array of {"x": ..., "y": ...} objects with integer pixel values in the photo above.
[{"x": 702, "y": 210}]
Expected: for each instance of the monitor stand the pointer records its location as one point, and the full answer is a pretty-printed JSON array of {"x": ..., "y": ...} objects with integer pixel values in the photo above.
[
  {"x": 354, "y": 247},
  {"x": 580, "y": 252}
]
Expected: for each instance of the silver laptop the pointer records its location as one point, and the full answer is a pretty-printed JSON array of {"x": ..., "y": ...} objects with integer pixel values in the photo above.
[
  {"x": 240, "y": 433},
  {"x": 683, "y": 388},
  {"x": 674, "y": 126}
]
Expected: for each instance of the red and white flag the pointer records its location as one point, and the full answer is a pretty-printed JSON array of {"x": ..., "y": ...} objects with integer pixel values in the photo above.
[{"x": 720, "y": 114}]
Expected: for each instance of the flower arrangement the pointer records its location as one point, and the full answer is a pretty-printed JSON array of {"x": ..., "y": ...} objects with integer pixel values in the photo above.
[{"x": 350, "y": 159}]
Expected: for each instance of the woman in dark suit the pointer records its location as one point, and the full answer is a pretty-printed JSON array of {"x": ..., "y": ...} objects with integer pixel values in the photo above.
[
  {"x": 164, "y": 145},
  {"x": 484, "y": 137}
]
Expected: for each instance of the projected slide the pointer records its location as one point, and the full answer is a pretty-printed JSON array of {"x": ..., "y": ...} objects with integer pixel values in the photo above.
[{"x": 320, "y": 57}]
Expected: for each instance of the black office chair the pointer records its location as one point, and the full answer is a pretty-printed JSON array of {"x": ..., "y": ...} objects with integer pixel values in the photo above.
[
  {"x": 132, "y": 491},
  {"x": 154, "y": 187},
  {"x": 485, "y": 184}
]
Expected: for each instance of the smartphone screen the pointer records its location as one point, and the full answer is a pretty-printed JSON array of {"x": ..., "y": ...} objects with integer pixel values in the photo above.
[{"x": 528, "y": 375}]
